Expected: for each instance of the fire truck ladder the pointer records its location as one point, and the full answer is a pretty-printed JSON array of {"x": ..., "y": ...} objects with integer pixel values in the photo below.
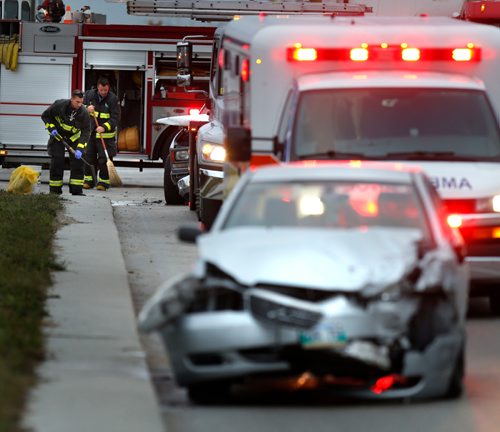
[{"x": 206, "y": 10}]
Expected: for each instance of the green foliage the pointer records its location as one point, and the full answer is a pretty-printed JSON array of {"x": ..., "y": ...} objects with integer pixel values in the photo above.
[{"x": 27, "y": 228}]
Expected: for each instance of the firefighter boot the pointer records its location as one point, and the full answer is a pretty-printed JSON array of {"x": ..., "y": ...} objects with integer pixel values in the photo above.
[
  {"x": 55, "y": 191},
  {"x": 88, "y": 182}
]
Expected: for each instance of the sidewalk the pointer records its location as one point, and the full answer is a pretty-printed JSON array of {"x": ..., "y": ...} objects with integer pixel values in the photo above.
[{"x": 95, "y": 377}]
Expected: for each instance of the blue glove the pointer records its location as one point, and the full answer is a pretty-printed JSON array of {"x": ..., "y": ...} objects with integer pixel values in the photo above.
[
  {"x": 55, "y": 134},
  {"x": 78, "y": 154}
]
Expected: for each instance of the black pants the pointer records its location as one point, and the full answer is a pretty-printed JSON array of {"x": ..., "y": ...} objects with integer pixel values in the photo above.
[
  {"x": 56, "y": 151},
  {"x": 95, "y": 155}
]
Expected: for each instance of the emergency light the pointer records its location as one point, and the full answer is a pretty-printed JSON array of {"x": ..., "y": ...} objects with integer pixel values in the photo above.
[
  {"x": 454, "y": 221},
  {"x": 384, "y": 53},
  {"x": 245, "y": 70}
]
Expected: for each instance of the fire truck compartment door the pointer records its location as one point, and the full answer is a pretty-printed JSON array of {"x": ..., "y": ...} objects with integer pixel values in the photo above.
[
  {"x": 115, "y": 59},
  {"x": 26, "y": 93}
]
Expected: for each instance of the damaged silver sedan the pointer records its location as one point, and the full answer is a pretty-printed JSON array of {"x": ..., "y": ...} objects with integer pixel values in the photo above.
[{"x": 339, "y": 275}]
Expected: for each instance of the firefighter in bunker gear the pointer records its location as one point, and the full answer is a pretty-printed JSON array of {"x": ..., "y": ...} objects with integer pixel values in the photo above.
[
  {"x": 104, "y": 106},
  {"x": 69, "y": 120}
]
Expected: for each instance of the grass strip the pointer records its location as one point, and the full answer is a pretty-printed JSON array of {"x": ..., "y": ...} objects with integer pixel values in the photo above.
[{"x": 27, "y": 228}]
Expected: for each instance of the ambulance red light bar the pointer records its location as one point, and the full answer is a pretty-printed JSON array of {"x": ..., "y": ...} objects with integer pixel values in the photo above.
[{"x": 384, "y": 53}]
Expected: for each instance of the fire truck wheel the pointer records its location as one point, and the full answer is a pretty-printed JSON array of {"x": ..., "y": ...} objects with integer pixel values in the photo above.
[{"x": 170, "y": 190}]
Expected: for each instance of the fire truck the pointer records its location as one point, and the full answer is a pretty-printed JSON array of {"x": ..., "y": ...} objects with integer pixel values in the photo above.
[
  {"x": 140, "y": 62},
  {"x": 481, "y": 11}
]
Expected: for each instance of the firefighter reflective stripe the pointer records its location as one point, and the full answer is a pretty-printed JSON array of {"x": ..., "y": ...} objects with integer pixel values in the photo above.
[
  {"x": 75, "y": 182},
  {"x": 55, "y": 183},
  {"x": 107, "y": 125},
  {"x": 81, "y": 145},
  {"x": 75, "y": 136},
  {"x": 88, "y": 179},
  {"x": 106, "y": 182},
  {"x": 106, "y": 135},
  {"x": 103, "y": 115},
  {"x": 50, "y": 125},
  {"x": 65, "y": 126}
]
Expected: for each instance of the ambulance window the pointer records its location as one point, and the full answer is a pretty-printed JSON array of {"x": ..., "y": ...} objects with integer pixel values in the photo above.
[
  {"x": 236, "y": 69},
  {"x": 227, "y": 60},
  {"x": 217, "y": 71},
  {"x": 397, "y": 123},
  {"x": 286, "y": 118}
]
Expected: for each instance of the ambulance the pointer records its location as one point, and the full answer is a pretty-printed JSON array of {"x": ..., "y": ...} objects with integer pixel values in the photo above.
[{"x": 420, "y": 90}]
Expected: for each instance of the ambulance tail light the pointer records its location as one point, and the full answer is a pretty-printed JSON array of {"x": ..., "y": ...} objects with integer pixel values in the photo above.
[
  {"x": 454, "y": 221},
  {"x": 245, "y": 70},
  {"x": 495, "y": 203}
]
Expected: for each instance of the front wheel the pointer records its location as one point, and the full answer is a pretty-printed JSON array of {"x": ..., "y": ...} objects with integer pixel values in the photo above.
[{"x": 170, "y": 189}]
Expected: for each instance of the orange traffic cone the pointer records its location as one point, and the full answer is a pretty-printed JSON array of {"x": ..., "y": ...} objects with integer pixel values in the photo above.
[{"x": 68, "y": 16}]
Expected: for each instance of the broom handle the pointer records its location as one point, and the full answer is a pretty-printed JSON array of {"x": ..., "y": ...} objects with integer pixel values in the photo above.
[{"x": 102, "y": 139}]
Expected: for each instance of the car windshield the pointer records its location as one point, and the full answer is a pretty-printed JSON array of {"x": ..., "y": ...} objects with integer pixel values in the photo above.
[
  {"x": 332, "y": 204},
  {"x": 398, "y": 124}
]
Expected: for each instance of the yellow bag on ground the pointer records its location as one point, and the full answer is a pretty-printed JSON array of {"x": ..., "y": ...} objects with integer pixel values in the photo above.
[{"x": 22, "y": 180}]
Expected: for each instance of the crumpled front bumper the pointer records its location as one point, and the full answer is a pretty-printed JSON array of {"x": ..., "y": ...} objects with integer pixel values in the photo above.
[{"x": 367, "y": 343}]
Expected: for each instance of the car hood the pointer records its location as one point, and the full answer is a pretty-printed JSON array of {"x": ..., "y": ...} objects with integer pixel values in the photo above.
[{"x": 346, "y": 260}]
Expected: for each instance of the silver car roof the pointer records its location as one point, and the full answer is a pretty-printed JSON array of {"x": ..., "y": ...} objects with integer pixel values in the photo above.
[{"x": 325, "y": 170}]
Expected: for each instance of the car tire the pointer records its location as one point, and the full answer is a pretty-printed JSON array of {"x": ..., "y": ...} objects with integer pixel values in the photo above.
[
  {"x": 495, "y": 304},
  {"x": 194, "y": 190},
  {"x": 209, "y": 393},
  {"x": 456, "y": 384},
  {"x": 170, "y": 190}
]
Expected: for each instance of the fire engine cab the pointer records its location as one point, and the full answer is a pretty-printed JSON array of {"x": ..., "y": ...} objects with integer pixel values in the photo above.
[{"x": 140, "y": 62}]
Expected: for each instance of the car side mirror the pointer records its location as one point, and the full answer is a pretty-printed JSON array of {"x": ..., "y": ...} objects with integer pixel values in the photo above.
[
  {"x": 238, "y": 144},
  {"x": 189, "y": 233}
]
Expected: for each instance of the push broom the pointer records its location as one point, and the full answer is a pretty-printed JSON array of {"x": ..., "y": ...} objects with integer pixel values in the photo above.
[
  {"x": 72, "y": 151},
  {"x": 114, "y": 178}
]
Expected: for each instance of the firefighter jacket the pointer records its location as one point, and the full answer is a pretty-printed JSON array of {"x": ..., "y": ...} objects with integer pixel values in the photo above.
[
  {"x": 107, "y": 112},
  {"x": 73, "y": 125}
]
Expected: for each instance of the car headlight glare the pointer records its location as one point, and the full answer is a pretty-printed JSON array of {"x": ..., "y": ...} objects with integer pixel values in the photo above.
[{"x": 213, "y": 153}]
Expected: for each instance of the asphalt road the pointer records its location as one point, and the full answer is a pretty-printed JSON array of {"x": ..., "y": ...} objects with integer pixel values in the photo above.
[{"x": 152, "y": 254}]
